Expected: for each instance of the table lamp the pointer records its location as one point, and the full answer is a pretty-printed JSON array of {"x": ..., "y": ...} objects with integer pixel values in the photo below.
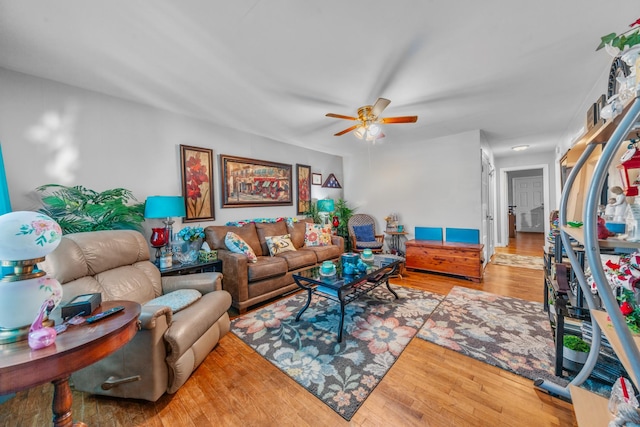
[
  {"x": 165, "y": 207},
  {"x": 325, "y": 207},
  {"x": 26, "y": 237}
]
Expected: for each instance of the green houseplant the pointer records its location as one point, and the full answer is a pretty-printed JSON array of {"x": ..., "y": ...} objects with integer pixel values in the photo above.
[
  {"x": 77, "y": 209},
  {"x": 344, "y": 212},
  {"x": 623, "y": 40},
  {"x": 575, "y": 348},
  {"x": 313, "y": 213}
]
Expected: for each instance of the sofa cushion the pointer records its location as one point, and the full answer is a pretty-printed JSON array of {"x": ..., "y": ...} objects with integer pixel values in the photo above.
[
  {"x": 279, "y": 244},
  {"x": 297, "y": 231},
  {"x": 323, "y": 253},
  {"x": 266, "y": 267},
  {"x": 364, "y": 233},
  {"x": 369, "y": 245},
  {"x": 317, "y": 235},
  {"x": 237, "y": 245},
  {"x": 299, "y": 259},
  {"x": 177, "y": 300},
  {"x": 269, "y": 229}
]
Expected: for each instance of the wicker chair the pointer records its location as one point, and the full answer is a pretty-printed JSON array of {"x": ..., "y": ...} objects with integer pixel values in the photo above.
[{"x": 361, "y": 221}]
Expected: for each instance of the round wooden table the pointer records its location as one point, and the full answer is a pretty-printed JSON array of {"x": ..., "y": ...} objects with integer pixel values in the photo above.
[{"x": 76, "y": 348}]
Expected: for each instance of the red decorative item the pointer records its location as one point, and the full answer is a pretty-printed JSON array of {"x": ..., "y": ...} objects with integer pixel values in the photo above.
[
  {"x": 626, "y": 308},
  {"x": 159, "y": 238},
  {"x": 336, "y": 222},
  {"x": 630, "y": 172},
  {"x": 603, "y": 231}
]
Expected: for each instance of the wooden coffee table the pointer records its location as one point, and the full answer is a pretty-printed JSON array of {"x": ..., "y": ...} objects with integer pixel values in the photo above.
[
  {"x": 76, "y": 348},
  {"x": 345, "y": 288}
]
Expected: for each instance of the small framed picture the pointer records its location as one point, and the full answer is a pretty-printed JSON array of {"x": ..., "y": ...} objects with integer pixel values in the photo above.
[{"x": 316, "y": 179}]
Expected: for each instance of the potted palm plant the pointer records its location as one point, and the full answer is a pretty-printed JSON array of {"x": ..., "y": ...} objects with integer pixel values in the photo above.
[
  {"x": 344, "y": 212},
  {"x": 78, "y": 209}
]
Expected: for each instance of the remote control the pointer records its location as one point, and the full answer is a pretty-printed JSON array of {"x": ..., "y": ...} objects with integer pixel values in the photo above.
[{"x": 104, "y": 314}]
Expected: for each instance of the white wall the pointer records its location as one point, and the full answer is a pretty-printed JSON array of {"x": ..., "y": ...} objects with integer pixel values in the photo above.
[
  {"x": 430, "y": 183},
  {"x": 55, "y": 133},
  {"x": 523, "y": 160}
]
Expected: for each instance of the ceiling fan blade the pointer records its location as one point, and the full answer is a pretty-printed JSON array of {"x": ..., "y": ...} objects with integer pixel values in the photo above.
[
  {"x": 346, "y": 130},
  {"x": 340, "y": 116},
  {"x": 403, "y": 119},
  {"x": 379, "y": 106}
]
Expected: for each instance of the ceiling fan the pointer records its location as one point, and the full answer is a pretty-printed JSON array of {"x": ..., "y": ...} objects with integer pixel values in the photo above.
[{"x": 369, "y": 126}]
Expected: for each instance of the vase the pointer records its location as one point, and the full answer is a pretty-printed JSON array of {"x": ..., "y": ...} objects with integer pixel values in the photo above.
[{"x": 186, "y": 252}]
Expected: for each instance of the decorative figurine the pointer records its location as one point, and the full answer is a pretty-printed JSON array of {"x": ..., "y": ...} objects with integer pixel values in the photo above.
[
  {"x": 620, "y": 204},
  {"x": 39, "y": 336}
]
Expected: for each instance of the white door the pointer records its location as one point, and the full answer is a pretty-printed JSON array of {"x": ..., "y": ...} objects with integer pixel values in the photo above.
[
  {"x": 486, "y": 199},
  {"x": 528, "y": 197}
]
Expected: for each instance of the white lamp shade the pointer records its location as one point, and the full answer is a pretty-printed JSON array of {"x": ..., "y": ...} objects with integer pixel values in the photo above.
[
  {"x": 20, "y": 301},
  {"x": 27, "y": 235}
]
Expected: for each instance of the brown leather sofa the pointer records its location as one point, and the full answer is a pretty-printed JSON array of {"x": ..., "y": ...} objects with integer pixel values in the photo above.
[
  {"x": 169, "y": 346},
  {"x": 251, "y": 283}
]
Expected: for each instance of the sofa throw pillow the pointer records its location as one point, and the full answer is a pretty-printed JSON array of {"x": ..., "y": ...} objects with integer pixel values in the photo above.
[
  {"x": 364, "y": 233},
  {"x": 237, "y": 245},
  {"x": 317, "y": 235},
  {"x": 177, "y": 300},
  {"x": 279, "y": 244}
]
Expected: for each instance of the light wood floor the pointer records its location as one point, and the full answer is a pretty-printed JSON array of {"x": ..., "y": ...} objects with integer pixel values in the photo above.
[{"x": 428, "y": 385}]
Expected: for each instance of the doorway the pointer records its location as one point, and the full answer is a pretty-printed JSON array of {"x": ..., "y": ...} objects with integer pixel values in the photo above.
[
  {"x": 528, "y": 204},
  {"x": 506, "y": 194}
]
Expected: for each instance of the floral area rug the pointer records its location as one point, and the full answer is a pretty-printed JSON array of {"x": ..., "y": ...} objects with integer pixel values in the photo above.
[
  {"x": 342, "y": 375},
  {"x": 509, "y": 333},
  {"x": 512, "y": 260}
]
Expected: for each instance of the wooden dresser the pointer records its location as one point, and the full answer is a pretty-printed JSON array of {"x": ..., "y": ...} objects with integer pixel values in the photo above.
[{"x": 460, "y": 259}]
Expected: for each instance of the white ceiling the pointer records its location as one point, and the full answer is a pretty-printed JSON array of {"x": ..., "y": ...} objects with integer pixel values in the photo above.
[{"x": 518, "y": 70}]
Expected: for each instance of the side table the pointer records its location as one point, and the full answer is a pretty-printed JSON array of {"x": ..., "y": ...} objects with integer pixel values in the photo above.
[
  {"x": 198, "y": 267},
  {"x": 76, "y": 348},
  {"x": 394, "y": 246}
]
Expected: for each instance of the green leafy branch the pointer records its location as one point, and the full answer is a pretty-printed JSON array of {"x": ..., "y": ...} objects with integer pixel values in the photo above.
[
  {"x": 622, "y": 41},
  {"x": 77, "y": 209}
]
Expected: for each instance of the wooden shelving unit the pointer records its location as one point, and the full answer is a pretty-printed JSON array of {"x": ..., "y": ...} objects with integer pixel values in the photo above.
[
  {"x": 590, "y": 408},
  {"x": 611, "y": 334},
  {"x": 610, "y": 243}
]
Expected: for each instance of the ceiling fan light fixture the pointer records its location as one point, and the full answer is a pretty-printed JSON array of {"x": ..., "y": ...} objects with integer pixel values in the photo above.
[
  {"x": 360, "y": 131},
  {"x": 374, "y": 129}
]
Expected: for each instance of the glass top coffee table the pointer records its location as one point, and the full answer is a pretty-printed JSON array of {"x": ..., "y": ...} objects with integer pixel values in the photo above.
[{"x": 345, "y": 288}]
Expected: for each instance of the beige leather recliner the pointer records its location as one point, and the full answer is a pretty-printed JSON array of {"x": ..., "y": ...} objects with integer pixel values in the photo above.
[{"x": 169, "y": 346}]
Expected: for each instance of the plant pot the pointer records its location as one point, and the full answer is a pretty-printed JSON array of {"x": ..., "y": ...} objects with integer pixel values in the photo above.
[{"x": 574, "y": 356}]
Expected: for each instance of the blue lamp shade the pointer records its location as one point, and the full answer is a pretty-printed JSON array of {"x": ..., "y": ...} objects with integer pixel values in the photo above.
[
  {"x": 164, "y": 207},
  {"x": 5, "y": 202},
  {"x": 326, "y": 205}
]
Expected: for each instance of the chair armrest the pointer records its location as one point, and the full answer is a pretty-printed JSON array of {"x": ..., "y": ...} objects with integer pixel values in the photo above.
[
  {"x": 379, "y": 238},
  {"x": 150, "y": 313},
  {"x": 236, "y": 274},
  {"x": 190, "y": 323},
  {"x": 202, "y": 282}
]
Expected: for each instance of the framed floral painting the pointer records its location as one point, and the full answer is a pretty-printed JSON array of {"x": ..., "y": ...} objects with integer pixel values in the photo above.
[
  {"x": 197, "y": 183},
  {"x": 250, "y": 182},
  {"x": 303, "y": 177}
]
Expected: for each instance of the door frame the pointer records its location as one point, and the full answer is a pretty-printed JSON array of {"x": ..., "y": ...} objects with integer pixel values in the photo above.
[{"x": 504, "y": 197}]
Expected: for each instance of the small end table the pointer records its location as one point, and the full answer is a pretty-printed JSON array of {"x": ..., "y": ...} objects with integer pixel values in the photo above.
[
  {"x": 197, "y": 267},
  {"x": 394, "y": 247},
  {"x": 78, "y": 347}
]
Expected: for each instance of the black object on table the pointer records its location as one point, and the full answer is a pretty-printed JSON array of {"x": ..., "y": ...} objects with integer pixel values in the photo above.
[
  {"x": 344, "y": 288},
  {"x": 196, "y": 267}
]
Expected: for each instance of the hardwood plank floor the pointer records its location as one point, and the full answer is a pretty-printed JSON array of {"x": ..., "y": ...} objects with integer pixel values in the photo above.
[{"x": 427, "y": 386}]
